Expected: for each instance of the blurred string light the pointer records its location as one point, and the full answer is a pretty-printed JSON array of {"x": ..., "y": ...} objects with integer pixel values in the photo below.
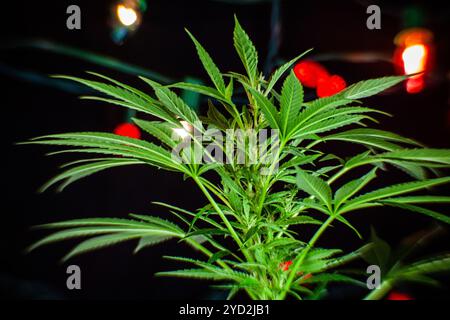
[
  {"x": 128, "y": 129},
  {"x": 127, "y": 17},
  {"x": 415, "y": 51},
  {"x": 314, "y": 75},
  {"x": 414, "y": 55}
]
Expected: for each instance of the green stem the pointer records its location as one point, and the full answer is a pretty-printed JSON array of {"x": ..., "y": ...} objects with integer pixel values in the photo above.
[
  {"x": 267, "y": 181},
  {"x": 216, "y": 191},
  {"x": 228, "y": 225},
  {"x": 337, "y": 175},
  {"x": 377, "y": 294},
  {"x": 224, "y": 218},
  {"x": 299, "y": 261}
]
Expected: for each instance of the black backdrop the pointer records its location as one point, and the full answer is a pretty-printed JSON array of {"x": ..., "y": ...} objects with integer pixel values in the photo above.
[{"x": 161, "y": 45}]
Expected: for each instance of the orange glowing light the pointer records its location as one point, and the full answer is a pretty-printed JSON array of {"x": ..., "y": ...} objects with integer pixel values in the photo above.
[
  {"x": 414, "y": 61},
  {"x": 412, "y": 36},
  {"x": 413, "y": 56},
  {"x": 127, "y": 16}
]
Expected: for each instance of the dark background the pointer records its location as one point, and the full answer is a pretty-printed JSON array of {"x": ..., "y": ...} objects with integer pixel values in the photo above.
[{"x": 30, "y": 109}]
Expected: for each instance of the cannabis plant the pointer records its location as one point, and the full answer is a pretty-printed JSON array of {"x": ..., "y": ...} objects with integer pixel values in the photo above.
[{"x": 263, "y": 199}]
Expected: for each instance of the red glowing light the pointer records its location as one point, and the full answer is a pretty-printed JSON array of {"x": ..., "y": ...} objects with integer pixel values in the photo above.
[
  {"x": 128, "y": 130},
  {"x": 313, "y": 75},
  {"x": 310, "y": 73},
  {"x": 330, "y": 86},
  {"x": 285, "y": 265},
  {"x": 415, "y": 84},
  {"x": 399, "y": 296}
]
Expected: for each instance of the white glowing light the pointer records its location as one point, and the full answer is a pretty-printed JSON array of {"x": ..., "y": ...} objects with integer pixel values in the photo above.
[
  {"x": 127, "y": 16},
  {"x": 183, "y": 132},
  {"x": 414, "y": 58}
]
